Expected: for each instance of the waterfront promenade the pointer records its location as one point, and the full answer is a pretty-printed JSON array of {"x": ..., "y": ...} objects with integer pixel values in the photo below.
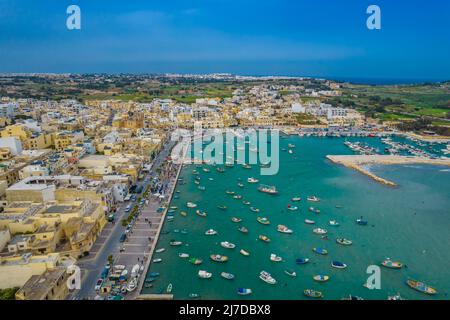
[{"x": 357, "y": 162}]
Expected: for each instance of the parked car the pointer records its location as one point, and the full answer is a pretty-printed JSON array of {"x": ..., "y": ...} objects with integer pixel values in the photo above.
[
  {"x": 98, "y": 284},
  {"x": 123, "y": 237}
]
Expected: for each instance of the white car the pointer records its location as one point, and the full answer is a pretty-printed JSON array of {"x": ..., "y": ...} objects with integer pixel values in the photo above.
[{"x": 98, "y": 285}]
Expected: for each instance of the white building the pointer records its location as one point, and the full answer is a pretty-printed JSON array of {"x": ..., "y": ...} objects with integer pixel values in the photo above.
[
  {"x": 7, "y": 110},
  {"x": 14, "y": 145}
]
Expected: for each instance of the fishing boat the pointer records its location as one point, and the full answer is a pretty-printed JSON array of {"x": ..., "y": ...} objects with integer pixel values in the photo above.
[
  {"x": 227, "y": 245},
  {"x": 183, "y": 255},
  {"x": 338, "y": 265},
  {"x": 183, "y": 213},
  {"x": 268, "y": 189},
  {"x": 175, "y": 243},
  {"x": 275, "y": 258},
  {"x": 421, "y": 287},
  {"x": 320, "y": 231},
  {"x": 222, "y": 207},
  {"x": 191, "y": 205},
  {"x": 218, "y": 258},
  {"x": 169, "y": 288},
  {"x": 201, "y": 213},
  {"x": 283, "y": 229},
  {"x": 229, "y": 192},
  {"x": 254, "y": 209},
  {"x": 343, "y": 241},
  {"x": 226, "y": 275},
  {"x": 321, "y": 278},
  {"x": 296, "y": 199},
  {"x": 307, "y": 221},
  {"x": 160, "y": 250},
  {"x": 194, "y": 296},
  {"x": 313, "y": 199},
  {"x": 290, "y": 272},
  {"x": 388, "y": 263},
  {"x": 197, "y": 182},
  {"x": 153, "y": 275},
  {"x": 240, "y": 185},
  {"x": 252, "y": 180},
  {"x": 204, "y": 274},
  {"x": 210, "y": 232},
  {"x": 220, "y": 170},
  {"x": 238, "y": 196},
  {"x": 291, "y": 207},
  {"x": 263, "y": 220},
  {"x": 243, "y": 229},
  {"x": 321, "y": 251},
  {"x": 236, "y": 219},
  {"x": 195, "y": 261},
  {"x": 201, "y": 188},
  {"x": 244, "y": 252},
  {"x": 264, "y": 238},
  {"x": 361, "y": 221},
  {"x": 301, "y": 260},
  {"x": 290, "y": 145},
  {"x": 244, "y": 291},
  {"x": 312, "y": 209},
  {"x": 313, "y": 293},
  {"x": 333, "y": 223},
  {"x": 157, "y": 260},
  {"x": 246, "y": 202},
  {"x": 206, "y": 170},
  {"x": 266, "y": 277}
]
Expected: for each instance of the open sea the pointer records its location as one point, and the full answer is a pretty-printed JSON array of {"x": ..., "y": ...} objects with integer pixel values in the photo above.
[{"x": 409, "y": 223}]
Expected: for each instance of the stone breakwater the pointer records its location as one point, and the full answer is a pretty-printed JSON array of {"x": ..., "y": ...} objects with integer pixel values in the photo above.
[{"x": 357, "y": 161}]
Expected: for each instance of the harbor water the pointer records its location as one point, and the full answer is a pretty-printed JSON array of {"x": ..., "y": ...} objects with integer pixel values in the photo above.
[{"x": 409, "y": 223}]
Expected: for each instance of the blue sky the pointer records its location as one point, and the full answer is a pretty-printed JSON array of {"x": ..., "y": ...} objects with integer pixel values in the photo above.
[{"x": 326, "y": 38}]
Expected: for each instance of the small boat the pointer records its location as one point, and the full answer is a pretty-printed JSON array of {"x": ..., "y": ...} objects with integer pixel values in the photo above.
[
  {"x": 195, "y": 261},
  {"x": 244, "y": 252},
  {"x": 201, "y": 188},
  {"x": 263, "y": 220},
  {"x": 210, "y": 232},
  {"x": 338, "y": 265},
  {"x": 218, "y": 258},
  {"x": 222, "y": 207},
  {"x": 343, "y": 241},
  {"x": 421, "y": 287},
  {"x": 313, "y": 199},
  {"x": 194, "y": 295},
  {"x": 201, "y": 213},
  {"x": 268, "y": 189},
  {"x": 174, "y": 207},
  {"x": 204, "y": 274},
  {"x": 206, "y": 170},
  {"x": 283, "y": 229},
  {"x": 226, "y": 275},
  {"x": 146, "y": 285},
  {"x": 321, "y": 251},
  {"x": 361, "y": 221},
  {"x": 252, "y": 180},
  {"x": 132, "y": 285},
  {"x": 183, "y": 255},
  {"x": 246, "y": 166},
  {"x": 157, "y": 260},
  {"x": 312, "y": 209},
  {"x": 275, "y": 258},
  {"x": 291, "y": 273},
  {"x": 183, "y": 213},
  {"x": 160, "y": 250},
  {"x": 307, "y": 221},
  {"x": 266, "y": 277},
  {"x": 244, "y": 291},
  {"x": 264, "y": 238},
  {"x": 153, "y": 274},
  {"x": 236, "y": 219},
  {"x": 254, "y": 209},
  {"x": 175, "y": 243},
  {"x": 238, "y": 196},
  {"x": 229, "y": 192},
  {"x": 169, "y": 288},
  {"x": 296, "y": 199},
  {"x": 191, "y": 205},
  {"x": 291, "y": 207},
  {"x": 312, "y": 293},
  {"x": 243, "y": 229},
  {"x": 290, "y": 145},
  {"x": 228, "y": 245},
  {"x": 246, "y": 202},
  {"x": 240, "y": 185},
  {"x": 301, "y": 260},
  {"x": 220, "y": 170},
  {"x": 290, "y": 151},
  {"x": 197, "y": 182},
  {"x": 388, "y": 263},
  {"x": 396, "y": 297},
  {"x": 321, "y": 278},
  {"x": 333, "y": 223},
  {"x": 320, "y": 231}
]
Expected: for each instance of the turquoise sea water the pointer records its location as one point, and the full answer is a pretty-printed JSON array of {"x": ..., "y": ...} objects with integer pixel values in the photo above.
[{"x": 409, "y": 223}]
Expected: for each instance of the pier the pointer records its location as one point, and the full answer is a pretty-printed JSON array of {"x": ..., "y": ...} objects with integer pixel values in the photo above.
[{"x": 357, "y": 161}]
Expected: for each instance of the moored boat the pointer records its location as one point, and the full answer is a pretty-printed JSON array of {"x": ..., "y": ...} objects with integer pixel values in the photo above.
[
  {"x": 254, "y": 209},
  {"x": 320, "y": 231},
  {"x": 236, "y": 219},
  {"x": 283, "y": 229},
  {"x": 361, "y": 221},
  {"x": 175, "y": 243},
  {"x": 312, "y": 209},
  {"x": 275, "y": 258},
  {"x": 210, "y": 232},
  {"x": 218, "y": 258},
  {"x": 226, "y": 275},
  {"x": 301, "y": 260},
  {"x": 321, "y": 251},
  {"x": 201, "y": 213},
  {"x": 296, "y": 199},
  {"x": 204, "y": 274},
  {"x": 183, "y": 213},
  {"x": 191, "y": 205},
  {"x": 307, "y": 221},
  {"x": 222, "y": 207},
  {"x": 290, "y": 272},
  {"x": 263, "y": 220},
  {"x": 268, "y": 189},
  {"x": 244, "y": 291},
  {"x": 160, "y": 250},
  {"x": 312, "y": 293},
  {"x": 243, "y": 229},
  {"x": 244, "y": 252},
  {"x": 169, "y": 288},
  {"x": 195, "y": 261},
  {"x": 313, "y": 199},
  {"x": 227, "y": 245},
  {"x": 264, "y": 238},
  {"x": 338, "y": 265},
  {"x": 321, "y": 278},
  {"x": 183, "y": 255},
  {"x": 291, "y": 207},
  {"x": 343, "y": 241},
  {"x": 266, "y": 277},
  {"x": 252, "y": 180},
  {"x": 333, "y": 223},
  {"x": 388, "y": 263},
  {"x": 421, "y": 287}
]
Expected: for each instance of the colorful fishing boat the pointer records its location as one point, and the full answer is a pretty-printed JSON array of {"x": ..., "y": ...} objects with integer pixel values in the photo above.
[
  {"x": 236, "y": 219},
  {"x": 195, "y": 261},
  {"x": 283, "y": 229},
  {"x": 313, "y": 293},
  {"x": 321, "y": 278},
  {"x": 267, "y": 278},
  {"x": 291, "y": 207},
  {"x": 263, "y": 220},
  {"x": 264, "y": 238},
  {"x": 254, "y": 209},
  {"x": 268, "y": 189},
  {"x": 201, "y": 213},
  {"x": 421, "y": 287},
  {"x": 388, "y": 263},
  {"x": 321, "y": 251},
  {"x": 218, "y": 258}
]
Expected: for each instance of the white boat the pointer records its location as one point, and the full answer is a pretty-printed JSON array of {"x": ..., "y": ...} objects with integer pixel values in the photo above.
[
  {"x": 283, "y": 229},
  {"x": 191, "y": 205},
  {"x": 307, "y": 221},
  {"x": 226, "y": 275},
  {"x": 252, "y": 180},
  {"x": 160, "y": 250},
  {"x": 320, "y": 231},
  {"x": 157, "y": 260},
  {"x": 183, "y": 255},
  {"x": 275, "y": 258},
  {"x": 266, "y": 277},
  {"x": 204, "y": 274},
  {"x": 227, "y": 245},
  {"x": 333, "y": 223},
  {"x": 210, "y": 232},
  {"x": 244, "y": 252},
  {"x": 296, "y": 199},
  {"x": 343, "y": 241},
  {"x": 313, "y": 199},
  {"x": 132, "y": 285}
]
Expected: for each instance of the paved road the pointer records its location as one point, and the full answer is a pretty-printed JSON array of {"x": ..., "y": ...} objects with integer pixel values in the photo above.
[{"x": 108, "y": 242}]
